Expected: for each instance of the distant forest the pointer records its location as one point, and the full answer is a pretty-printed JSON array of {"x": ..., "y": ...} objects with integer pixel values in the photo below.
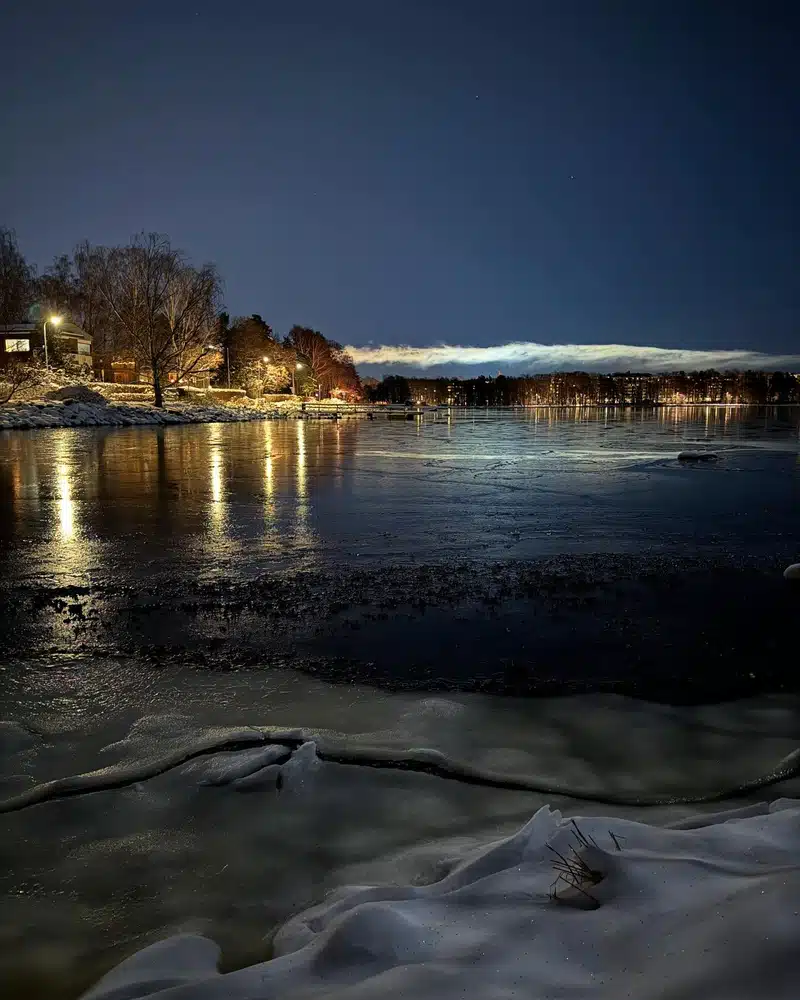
[{"x": 583, "y": 389}]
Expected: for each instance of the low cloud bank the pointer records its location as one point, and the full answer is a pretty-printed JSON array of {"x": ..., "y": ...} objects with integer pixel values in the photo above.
[{"x": 571, "y": 357}]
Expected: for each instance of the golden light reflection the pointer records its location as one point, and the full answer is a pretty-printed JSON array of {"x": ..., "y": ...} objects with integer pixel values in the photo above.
[
  {"x": 216, "y": 477},
  {"x": 66, "y": 505},
  {"x": 302, "y": 473},
  {"x": 269, "y": 471},
  {"x": 303, "y": 535},
  {"x": 269, "y": 478},
  {"x": 218, "y": 507}
]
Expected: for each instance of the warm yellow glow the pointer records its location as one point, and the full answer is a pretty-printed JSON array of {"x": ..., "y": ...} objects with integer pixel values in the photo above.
[
  {"x": 269, "y": 472},
  {"x": 298, "y": 365},
  {"x": 216, "y": 477},
  {"x": 265, "y": 358},
  {"x": 66, "y": 505},
  {"x": 217, "y": 508},
  {"x": 301, "y": 459},
  {"x": 55, "y": 320}
]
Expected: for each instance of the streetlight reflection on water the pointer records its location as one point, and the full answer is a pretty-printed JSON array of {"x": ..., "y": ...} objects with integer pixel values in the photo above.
[
  {"x": 218, "y": 505},
  {"x": 66, "y": 505}
]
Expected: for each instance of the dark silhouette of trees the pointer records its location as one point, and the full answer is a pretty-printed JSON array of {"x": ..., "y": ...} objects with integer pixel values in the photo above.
[
  {"x": 17, "y": 281},
  {"x": 587, "y": 389},
  {"x": 393, "y": 389},
  {"x": 326, "y": 367}
]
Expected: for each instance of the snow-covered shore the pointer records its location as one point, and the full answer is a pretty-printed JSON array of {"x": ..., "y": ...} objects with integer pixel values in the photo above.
[
  {"x": 235, "y": 843},
  {"x": 27, "y": 416},
  {"x": 708, "y": 910}
]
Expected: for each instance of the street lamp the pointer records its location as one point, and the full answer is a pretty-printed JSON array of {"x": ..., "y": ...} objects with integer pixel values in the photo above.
[
  {"x": 297, "y": 368},
  {"x": 53, "y": 321}
]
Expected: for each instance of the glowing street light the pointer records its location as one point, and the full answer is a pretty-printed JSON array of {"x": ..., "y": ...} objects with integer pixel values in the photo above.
[
  {"x": 53, "y": 321},
  {"x": 297, "y": 368}
]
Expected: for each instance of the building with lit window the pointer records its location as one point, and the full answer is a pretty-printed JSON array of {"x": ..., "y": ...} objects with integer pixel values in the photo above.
[{"x": 67, "y": 342}]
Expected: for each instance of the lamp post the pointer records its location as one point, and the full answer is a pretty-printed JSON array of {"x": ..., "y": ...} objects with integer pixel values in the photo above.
[
  {"x": 221, "y": 349},
  {"x": 296, "y": 368},
  {"x": 54, "y": 321}
]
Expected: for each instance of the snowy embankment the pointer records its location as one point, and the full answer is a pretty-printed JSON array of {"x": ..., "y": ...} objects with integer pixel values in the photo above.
[
  {"x": 185, "y": 824},
  {"x": 26, "y": 416},
  {"x": 597, "y": 907}
]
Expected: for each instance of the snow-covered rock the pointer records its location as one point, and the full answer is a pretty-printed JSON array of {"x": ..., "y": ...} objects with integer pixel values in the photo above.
[
  {"x": 792, "y": 572},
  {"x": 78, "y": 413},
  {"x": 706, "y": 912},
  {"x": 697, "y": 456},
  {"x": 78, "y": 393}
]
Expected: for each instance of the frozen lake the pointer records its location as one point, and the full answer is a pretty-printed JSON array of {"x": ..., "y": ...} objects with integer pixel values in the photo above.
[
  {"x": 231, "y": 500},
  {"x": 398, "y": 584}
]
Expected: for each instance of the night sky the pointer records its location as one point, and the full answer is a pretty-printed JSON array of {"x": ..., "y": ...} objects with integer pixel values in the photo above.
[{"x": 422, "y": 172}]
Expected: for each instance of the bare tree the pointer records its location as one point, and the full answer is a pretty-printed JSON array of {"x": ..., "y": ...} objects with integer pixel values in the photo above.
[
  {"x": 16, "y": 280},
  {"x": 160, "y": 307},
  {"x": 314, "y": 352},
  {"x": 17, "y": 376}
]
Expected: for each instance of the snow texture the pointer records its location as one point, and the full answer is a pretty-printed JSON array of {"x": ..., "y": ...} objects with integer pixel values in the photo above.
[
  {"x": 26, "y": 416},
  {"x": 709, "y": 912}
]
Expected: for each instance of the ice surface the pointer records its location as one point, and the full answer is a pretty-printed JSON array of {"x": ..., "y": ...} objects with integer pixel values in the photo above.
[{"x": 704, "y": 913}]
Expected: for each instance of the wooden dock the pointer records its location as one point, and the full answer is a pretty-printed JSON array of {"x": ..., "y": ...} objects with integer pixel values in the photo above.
[{"x": 386, "y": 411}]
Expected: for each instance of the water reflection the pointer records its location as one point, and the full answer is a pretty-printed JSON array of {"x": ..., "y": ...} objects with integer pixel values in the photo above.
[
  {"x": 217, "y": 508},
  {"x": 66, "y": 506},
  {"x": 294, "y": 492},
  {"x": 269, "y": 475}
]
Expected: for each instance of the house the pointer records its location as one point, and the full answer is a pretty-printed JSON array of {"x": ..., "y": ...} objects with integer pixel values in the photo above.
[{"x": 67, "y": 341}]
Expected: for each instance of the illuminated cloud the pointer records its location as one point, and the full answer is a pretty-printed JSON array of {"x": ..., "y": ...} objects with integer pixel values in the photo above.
[{"x": 535, "y": 357}]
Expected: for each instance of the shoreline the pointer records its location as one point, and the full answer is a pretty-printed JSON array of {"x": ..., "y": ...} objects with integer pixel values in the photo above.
[{"x": 42, "y": 414}]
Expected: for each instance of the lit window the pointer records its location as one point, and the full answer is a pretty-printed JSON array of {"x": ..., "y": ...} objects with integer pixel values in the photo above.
[
  {"x": 84, "y": 348},
  {"x": 17, "y": 346}
]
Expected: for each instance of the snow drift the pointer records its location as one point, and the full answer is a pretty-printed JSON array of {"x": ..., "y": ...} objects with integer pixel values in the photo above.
[{"x": 709, "y": 912}]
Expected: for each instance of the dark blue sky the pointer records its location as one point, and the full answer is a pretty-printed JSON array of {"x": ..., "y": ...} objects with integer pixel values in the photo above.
[{"x": 394, "y": 171}]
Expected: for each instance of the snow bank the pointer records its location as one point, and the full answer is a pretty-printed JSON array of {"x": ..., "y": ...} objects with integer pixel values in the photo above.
[
  {"x": 25, "y": 416},
  {"x": 792, "y": 572},
  {"x": 707, "y": 912}
]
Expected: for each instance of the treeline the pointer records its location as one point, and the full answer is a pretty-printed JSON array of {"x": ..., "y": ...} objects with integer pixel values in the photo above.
[
  {"x": 146, "y": 306},
  {"x": 585, "y": 389}
]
